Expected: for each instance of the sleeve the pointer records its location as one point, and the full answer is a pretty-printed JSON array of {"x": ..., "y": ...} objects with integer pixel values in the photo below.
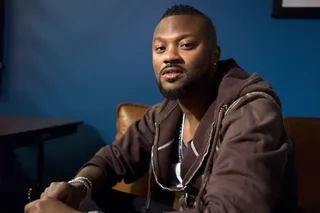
[
  {"x": 248, "y": 171},
  {"x": 129, "y": 157}
]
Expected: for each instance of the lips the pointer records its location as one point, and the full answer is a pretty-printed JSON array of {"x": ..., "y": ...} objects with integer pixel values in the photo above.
[{"x": 172, "y": 71}]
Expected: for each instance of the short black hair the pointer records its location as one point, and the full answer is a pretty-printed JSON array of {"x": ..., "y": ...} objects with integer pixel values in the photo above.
[{"x": 183, "y": 9}]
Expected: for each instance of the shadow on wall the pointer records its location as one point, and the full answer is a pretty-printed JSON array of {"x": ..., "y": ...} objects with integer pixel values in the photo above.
[{"x": 62, "y": 159}]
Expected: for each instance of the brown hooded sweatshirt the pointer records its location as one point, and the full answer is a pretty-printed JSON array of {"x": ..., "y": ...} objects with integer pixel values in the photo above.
[{"x": 239, "y": 150}]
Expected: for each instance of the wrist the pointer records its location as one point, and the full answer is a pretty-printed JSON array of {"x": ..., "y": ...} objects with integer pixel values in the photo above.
[
  {"x": 83, "y": 184},
  {"x": 80, "y": 187}
]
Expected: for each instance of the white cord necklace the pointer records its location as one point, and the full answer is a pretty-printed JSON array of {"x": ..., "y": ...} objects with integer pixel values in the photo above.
[{"x": 180, "y": 148}]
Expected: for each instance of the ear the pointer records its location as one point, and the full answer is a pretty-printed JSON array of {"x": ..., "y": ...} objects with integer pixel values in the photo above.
[{"x": 216, "y": 54}]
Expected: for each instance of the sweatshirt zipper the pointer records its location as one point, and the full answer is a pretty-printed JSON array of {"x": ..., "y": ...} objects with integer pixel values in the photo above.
[
  {"x": 222, "y": 112},
  {"x": 149, "y": 193},
  {"x": 265, "y": 95}
]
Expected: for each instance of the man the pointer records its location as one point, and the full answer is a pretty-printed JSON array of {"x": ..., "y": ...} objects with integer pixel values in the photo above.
[{"x": 218, "y": 137}]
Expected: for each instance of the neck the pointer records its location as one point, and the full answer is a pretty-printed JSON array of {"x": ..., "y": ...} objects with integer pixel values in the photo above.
[
  {"x": 195, "y": 106},
  {"x": 197, "y": 102}
]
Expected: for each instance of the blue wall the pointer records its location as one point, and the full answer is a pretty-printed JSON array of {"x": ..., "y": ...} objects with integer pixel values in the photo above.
[{"x": 80, "y": 59}]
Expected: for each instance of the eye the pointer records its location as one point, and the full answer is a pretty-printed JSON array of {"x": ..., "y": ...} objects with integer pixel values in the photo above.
[
  {"x": 187, "y": 46},
  {"x": 160, "y": 49}
]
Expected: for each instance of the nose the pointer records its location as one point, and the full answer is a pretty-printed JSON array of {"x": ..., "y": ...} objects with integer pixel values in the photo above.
[{"x": 171, "y": 56}]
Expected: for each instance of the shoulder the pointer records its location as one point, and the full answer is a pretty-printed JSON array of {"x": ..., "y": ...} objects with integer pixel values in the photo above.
[
  {"x": 161, "y": 110},
  {"x": 254, "y": 113}
]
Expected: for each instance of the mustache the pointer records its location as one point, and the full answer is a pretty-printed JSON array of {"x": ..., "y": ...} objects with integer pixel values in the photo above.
[{"x": 172, "y": 66}]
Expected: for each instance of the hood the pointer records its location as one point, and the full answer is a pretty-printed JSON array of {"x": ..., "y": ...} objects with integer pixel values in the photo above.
[{"x": 236, "y": 82}]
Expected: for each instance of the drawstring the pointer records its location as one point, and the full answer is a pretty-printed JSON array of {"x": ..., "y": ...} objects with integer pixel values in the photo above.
[
  {"x": 149, "y": 189},
  {"x": 206, "y": 171}
]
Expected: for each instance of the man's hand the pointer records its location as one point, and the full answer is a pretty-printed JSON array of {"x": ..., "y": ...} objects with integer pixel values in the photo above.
[
  {"x": 70, "y": 194},
  {"x": 48, "y": 205}
]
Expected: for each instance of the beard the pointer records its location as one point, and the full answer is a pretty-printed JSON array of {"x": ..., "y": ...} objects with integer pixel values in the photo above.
[
  {"x": 173, "y": 94},
  {"x": 191, "y": 83}
]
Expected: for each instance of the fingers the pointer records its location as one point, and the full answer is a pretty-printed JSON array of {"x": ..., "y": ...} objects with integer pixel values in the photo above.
[
  {"x": 34, "y": 207},
  {"x": 64, "y": 192},
  {"x": 57, "y": 190},
  {"x": 29, "y": 207},
  {"x": 44, "y": 194}
]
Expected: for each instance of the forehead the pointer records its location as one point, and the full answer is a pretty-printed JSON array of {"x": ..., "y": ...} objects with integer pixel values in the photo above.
[{"x": 180, "y": 24}]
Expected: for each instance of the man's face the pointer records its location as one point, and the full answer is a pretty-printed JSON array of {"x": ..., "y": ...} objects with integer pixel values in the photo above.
[{"x": 182, "y": 55}]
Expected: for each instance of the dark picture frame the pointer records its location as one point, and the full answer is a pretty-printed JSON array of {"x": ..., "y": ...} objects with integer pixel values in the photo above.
[{"x": 279, "y": 11}]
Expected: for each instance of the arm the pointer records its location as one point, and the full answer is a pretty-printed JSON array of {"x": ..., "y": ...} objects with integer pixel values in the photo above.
[
  {"x": 126, "y": 159},
  {"x": 95, "y": 175},
  {"x": 248, "y": 172}
]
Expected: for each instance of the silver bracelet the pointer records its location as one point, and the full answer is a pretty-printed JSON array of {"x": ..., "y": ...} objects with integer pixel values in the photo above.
[{"x": 84, "y": 181}]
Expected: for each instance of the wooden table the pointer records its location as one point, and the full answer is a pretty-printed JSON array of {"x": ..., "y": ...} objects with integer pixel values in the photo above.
[{"x": 18, "y": 132}]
